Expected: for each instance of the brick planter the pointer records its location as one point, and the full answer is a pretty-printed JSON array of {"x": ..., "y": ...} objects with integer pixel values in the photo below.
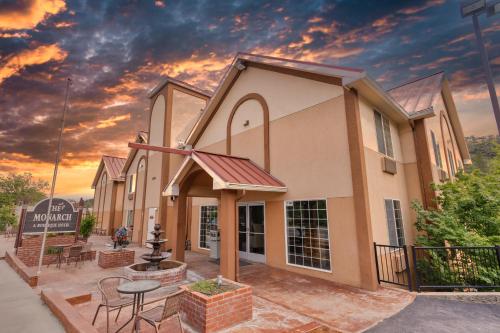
[
  {"x": 29, "y": 252},
  {"x": 212, "y": 313},
  {"x": 110, "y": 259}
]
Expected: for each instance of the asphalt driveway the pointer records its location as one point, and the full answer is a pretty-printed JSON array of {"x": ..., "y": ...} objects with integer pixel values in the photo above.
[{"x": 428, "y": 314}]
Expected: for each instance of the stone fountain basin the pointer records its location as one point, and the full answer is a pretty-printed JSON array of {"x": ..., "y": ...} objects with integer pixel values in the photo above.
[{"x": 170, "y": 272}]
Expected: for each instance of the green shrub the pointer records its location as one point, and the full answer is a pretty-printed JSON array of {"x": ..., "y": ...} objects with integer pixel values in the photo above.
[
  {"x": 210, "y": 288},
  {"x": 87, "y": 225}
]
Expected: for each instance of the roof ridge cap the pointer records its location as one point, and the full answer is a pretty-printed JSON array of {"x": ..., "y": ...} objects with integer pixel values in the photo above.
[{"x": 415, "y": 80}]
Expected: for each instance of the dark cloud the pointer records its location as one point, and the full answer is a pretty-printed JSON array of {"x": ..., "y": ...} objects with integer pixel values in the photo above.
[{"x": 116, "y": 50}]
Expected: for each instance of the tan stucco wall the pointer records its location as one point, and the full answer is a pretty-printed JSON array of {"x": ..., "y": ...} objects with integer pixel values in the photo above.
[
  {"x": 137, "y": 196},
  {"x": 154, "y": 165},
  {"x": 118, "y": 218},
  {"x": 403, "y": 186},
  {"x": 434, "y": 124},
  {"x": 186, "y": 109},
  {"x": 315, "y": 140},
  {"x": 283, "y": 93},
  {"x": 342, "y": 232}
]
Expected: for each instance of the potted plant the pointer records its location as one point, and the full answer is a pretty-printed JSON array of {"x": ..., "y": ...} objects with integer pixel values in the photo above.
[
  {"x": 121, "y": 238},
  {"x": 87, "y": 225}
]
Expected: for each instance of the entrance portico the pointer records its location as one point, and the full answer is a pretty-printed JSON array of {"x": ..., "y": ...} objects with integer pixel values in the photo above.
[{"x": 227, "y": 178}]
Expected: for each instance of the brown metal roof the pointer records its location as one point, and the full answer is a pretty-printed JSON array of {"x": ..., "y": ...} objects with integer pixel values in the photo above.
[
  {"x": 237, "y": 170},
  {"x": 418, "y": 95},
  {"x": 114, "y": 166}
]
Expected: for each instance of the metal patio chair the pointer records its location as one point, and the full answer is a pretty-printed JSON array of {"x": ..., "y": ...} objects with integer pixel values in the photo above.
[
  {"x": 74, "y": 253},
  {"x": 111, "y": 299},
  {"x": 157, "y": 315}
]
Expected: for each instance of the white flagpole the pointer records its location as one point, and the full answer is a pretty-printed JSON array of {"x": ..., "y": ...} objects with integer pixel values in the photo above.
[{"x": 54, "y": 176}]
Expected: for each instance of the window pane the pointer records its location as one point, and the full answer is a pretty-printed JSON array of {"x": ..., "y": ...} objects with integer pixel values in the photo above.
[
  {"x": 398, "y": 218},
  {"x": 307, "y": 232},
  {"x": 208, "y": 221},
  {"x": 380, "y": 132},
  {"x": 391, "y": 224},
  {"x": 387, "y": 137},
  {"x": 452, "y": 162},
  {"x": 437, "y": 153}
]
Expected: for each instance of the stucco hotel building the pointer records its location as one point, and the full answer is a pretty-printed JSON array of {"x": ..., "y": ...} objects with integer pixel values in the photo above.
[{"x": 300, "y": 166}]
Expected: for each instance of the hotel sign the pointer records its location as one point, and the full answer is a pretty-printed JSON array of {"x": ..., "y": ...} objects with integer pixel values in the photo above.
[{"x": 63, "y": 217}]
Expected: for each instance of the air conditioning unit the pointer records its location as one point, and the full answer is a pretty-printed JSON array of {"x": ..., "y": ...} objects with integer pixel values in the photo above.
[
  {"x": 389, "y": 165},
  {"x": 443, "y": 175}
]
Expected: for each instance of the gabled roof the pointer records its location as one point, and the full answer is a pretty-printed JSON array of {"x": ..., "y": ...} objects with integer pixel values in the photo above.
[
  {"x": 185, "y": 85},
  {"x": 141, "y": 137},
  {"x": 418, "y": 95},
  {"x": 227, "y": 172},
  {"x": 113, "y": 166}
]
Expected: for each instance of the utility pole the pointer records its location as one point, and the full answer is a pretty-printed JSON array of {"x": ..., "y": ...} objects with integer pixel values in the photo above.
[
  {"x": 54, "y": 176},
  {"x": 474, "y": 9}
]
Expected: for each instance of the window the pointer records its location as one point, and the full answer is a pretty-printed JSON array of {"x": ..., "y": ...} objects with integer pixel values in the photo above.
[
  {"x": 383, "y": 129},
  {"x": 130, "y": 218},
  {"x": 307, "y": 234},
  {"x": 131, "y": 183},
  {"x": 395, "y": 222},
  {"x": 208, "y": 220},
  {"x": 437, "y": 150},
  {"x": 452, "y": 162}
]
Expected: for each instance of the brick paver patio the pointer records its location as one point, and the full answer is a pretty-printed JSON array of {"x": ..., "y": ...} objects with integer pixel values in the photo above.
[{"x": 283, "y": 301}]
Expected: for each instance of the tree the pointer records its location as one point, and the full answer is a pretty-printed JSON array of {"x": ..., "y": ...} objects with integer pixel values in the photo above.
[
  {"x": 7, "y": 216},
  {"x": 87, "y": 224},
  {"x": 482, "y": 150},
  {"x": 468, "y": 214},
  {"x": 19, "y": 189},
  {"x": 469, "y": 209}
]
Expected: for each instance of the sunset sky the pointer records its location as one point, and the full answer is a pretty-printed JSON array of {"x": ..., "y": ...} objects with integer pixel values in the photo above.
[{"x": 115, "y": 51}]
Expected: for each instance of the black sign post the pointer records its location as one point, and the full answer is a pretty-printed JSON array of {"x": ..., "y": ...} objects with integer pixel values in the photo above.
[{"x": 62, "y": 219}]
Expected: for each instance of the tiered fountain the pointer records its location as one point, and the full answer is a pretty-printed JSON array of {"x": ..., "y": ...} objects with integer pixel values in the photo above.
[{"x": 156, "y": 267}]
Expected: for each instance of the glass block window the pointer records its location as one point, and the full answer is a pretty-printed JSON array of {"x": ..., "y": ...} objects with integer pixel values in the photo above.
[
  {"x": 383, "y": 130},
  {"x": 208, "y": 219},
  {"x": 395, "y": 222},
  {"x": 307, "y": 234}
]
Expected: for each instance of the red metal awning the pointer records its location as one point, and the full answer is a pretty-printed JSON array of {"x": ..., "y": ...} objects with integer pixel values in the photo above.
[
  {"x": 227, "y": 172},
  {"x": 236, "y": 170}
]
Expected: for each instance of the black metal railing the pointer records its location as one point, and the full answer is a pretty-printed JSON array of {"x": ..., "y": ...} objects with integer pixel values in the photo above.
[
  {"x": 457, "y": 267},
  {"x": 392, "y": 265}
]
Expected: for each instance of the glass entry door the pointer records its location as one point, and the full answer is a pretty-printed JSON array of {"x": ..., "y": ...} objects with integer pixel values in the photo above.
[{"x": 251, "y": 231}]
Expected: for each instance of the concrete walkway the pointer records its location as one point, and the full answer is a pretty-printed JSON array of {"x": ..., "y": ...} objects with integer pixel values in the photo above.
[
  {"x": 21, "y": 309},
  {"x": 427, "y": 314}
]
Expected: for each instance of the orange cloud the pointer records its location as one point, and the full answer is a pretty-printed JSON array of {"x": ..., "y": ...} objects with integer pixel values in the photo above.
[
  {"x": 14, "y": 35},
  {"x": 418, "y": 9},
  {"x": 40, "y": 55},
  {"x": 110, "y": 122},
  {"x": 29, "y": 18},
  {"x": 64, "y": 24}
]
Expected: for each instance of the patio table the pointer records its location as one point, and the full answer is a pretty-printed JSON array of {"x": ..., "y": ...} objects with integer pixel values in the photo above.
[
  {"x": 60, "y": 249},
  {"x": 138, "y": 289}
]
